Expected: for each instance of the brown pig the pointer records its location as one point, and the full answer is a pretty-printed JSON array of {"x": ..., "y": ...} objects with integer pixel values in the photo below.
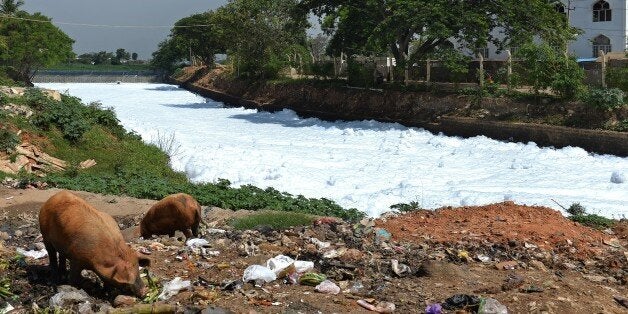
[
  {"x": 175, "y": 212},
  {"x": 91, "y": 240}
]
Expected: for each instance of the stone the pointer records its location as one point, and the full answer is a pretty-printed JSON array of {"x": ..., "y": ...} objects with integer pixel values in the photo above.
[
  {"x": 4, "y": 236},
  {"x": 595, "y": 278},
  {"x": 18, "y": 233},
  {"x": 124, "y": 300},
  {"x": 352, "y": 255},
  {"x": 507, "y": 265},
  {"x": 538, "y": 265}
]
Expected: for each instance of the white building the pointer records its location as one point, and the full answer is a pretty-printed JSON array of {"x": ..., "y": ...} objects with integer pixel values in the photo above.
[{"x": 604, "y": 24}]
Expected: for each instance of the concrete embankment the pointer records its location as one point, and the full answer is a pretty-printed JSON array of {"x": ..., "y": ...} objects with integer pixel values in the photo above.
[{"x": 416, "y": 109}]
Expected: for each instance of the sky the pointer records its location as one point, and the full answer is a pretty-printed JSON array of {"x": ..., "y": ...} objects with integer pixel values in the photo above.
[{"x": 118, "y": 12}]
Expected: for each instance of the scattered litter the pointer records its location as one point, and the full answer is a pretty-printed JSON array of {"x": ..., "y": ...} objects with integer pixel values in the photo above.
[
  {"x": 462, "y": 301},
  {"x": 320, "y": 244},
  {"x": 312, "y": 279},
  {"x": 279, "y": 263},
  {"x": 173, "y": 287},
  {"x": 382, "y": 235},
  {"x": 464, "y": 256},
  {"x": 33, "y": 253},
  {"x": 215, "y": 231},
  {"x": 492, "y": 306},
  {"x": 483, "y": 258},
  {"x": 8, "y": 308},
  {"x": 258, "y": 273},
  {"x": 435, "y": 308},
  {"x": 9, "y": 198},
  {"x": 400, "y": 270},
  {"x": 381, "y": 307},
  {"x": 67, "y": 296},
  {"x": 196, "y": 243},
  {"x": 327, "y": 287}
]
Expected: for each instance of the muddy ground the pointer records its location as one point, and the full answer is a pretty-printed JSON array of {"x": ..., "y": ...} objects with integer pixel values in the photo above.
[{"x": 552, "y": 265}]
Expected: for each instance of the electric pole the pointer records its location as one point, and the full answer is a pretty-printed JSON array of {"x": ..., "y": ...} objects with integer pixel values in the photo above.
[{"x": 568, "y": 10}]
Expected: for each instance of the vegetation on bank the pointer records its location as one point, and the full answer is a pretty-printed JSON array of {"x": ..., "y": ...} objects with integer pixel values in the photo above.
[
  {"x": 75, "y": 132},
  {"x": 99, "y": 67},
  {"x": 275, "y": 220}
]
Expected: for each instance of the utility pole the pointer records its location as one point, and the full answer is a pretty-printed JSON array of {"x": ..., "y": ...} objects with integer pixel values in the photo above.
[{"x": 568, "y": 10}]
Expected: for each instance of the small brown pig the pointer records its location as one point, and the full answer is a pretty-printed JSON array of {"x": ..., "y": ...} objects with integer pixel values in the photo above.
[
  {"x": 175, "y": 212},
  {"x": 90, "y": 240}
]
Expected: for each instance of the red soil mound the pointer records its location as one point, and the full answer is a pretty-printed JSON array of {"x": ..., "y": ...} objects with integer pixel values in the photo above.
[{"x": 497, "y": 223}]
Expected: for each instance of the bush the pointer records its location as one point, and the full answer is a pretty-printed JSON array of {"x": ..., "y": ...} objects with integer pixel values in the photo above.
[
  {"x": 360, "y": 74},
  {"x": 8, "y": 141},
  {"x": 617, "y": 77},
  {"x": 608, "y": 99},
  {"x": 593, "y": 221},
  {"x": 576, "y": 209},
  {"x": 406, "y": 208}
]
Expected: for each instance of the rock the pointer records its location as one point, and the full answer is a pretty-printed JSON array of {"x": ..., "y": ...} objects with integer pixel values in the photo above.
[
  {"x": 124, "y": 300},
  {"x": 4, "y": 236},
  {"x": 538, "y": 265},
  {"x": 507, "y": 265},
  {"x": 351, "y": 255},
  {"x": 18, "y": 233},
  {"x": 595, "y": 278},
  {"x": 67, "y": 296},
  {"x": 569, "y": 266}
]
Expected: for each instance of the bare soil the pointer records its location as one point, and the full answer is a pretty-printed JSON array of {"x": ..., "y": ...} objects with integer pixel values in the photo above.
[{"x": 559, "y": 266}]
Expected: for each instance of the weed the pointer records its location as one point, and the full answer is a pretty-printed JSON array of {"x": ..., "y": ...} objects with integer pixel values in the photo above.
[
  {"x": 593, "y": 221},
  {"x": 276, "y": 220},
  {"x": 405, "y": 208},
  {"x": 608, "y": 99},
  {"x": 8, "y": 141},
  {"x": 576, "y": 209},
  {"x": 167, "y": 144}
]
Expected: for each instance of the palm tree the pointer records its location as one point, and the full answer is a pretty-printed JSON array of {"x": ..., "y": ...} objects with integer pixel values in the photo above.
[{"x": 10, "y": 7}]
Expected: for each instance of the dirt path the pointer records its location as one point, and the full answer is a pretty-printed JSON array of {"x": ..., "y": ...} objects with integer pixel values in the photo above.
[{"x": 447, "y": 252}]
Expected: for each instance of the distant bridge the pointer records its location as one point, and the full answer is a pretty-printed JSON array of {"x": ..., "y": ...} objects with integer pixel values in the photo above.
[{"x": 89, "y": 76}]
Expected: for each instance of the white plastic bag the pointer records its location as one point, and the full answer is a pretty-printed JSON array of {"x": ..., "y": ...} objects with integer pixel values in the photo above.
[
  {"x": 327, "y": 287},
  {"x": 278, "y": 263},
  {"x": 258, "y": 272},
  {"x": 173, "y": 287},
  {"x": 196, "y": 243}
]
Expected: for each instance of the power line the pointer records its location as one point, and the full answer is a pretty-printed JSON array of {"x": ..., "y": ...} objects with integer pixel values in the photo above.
[{"x": 102, "y": 25}]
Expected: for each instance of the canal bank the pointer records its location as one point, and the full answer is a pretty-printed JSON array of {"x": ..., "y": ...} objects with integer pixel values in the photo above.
[{"x": 451, "y": 114}]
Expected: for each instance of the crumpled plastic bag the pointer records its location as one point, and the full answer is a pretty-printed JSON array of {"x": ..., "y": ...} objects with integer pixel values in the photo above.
[
  {"x": 196, "y": 243},
  {"x": 32, "y": 253},
  {"x": 280, "y": 263},
  {"x": 258, "y": 273},
  {"x": 173, "y": 287}
]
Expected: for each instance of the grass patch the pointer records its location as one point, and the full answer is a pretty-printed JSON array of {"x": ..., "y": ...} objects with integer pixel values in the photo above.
[
  {"x": 274, "y": 219},
  {"x": 593, "y": 221}
]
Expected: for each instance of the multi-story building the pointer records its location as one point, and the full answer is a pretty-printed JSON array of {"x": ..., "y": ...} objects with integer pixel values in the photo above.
[{"x": 604, "y": 24}]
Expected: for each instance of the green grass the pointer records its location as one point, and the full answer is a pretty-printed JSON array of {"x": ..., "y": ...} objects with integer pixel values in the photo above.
[
  {"x": 274, "y": 219},
  {"x": 99, "y": 67},
  {"x": 593, "y": 221}
]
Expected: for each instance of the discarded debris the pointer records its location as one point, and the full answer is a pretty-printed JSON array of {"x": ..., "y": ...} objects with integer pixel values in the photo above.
[
  {"x": 312, "y": 279},
  {"x": 492, "y": 306},
  {"x": 173, "y": 287},
  {"x": 33, "y": 253},
  {"x": 400, "y": 270},
  {"x": 258, "y": 274},
  {"x": 381, "y": 307},
  {"x": 327, "y": 287}
]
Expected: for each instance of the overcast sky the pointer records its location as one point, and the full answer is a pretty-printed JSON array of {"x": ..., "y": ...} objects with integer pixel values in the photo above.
[{"x": 118, "y": 12}]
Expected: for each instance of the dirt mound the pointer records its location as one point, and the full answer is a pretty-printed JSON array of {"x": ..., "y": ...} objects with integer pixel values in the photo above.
[{"x": 506, "y": 223}]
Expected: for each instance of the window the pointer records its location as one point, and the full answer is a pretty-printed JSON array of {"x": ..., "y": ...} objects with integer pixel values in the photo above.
[
  {"x": 484, "y": 51},
  {"x": 603, "y": 43},
  {"x": 601, "y": 12}
]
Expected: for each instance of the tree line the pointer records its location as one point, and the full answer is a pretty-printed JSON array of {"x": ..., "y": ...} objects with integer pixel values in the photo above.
[{"x": 261, "y": 37}]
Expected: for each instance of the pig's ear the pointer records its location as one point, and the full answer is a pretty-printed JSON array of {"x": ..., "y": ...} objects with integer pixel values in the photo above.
[{"x": 143, "y": 260}]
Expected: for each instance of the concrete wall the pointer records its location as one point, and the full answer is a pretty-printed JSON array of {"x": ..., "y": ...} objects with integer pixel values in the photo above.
[{"x": 96, "y": 77}]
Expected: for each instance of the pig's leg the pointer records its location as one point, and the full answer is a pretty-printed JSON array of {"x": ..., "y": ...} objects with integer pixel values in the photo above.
[
  {"x": 187, "y": 233},
  {"x": 52, "y": 257},
  {"x": 62, "y": 265},
  {"x": 75, "y": 274},
  {"x": 195, "y": 229}
]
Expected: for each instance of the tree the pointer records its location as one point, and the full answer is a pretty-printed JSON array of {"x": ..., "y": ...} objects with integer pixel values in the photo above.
[
  {"x": 10, "y": 7},
  {"x": 134, "y": 56},
  {"x": 122, "y": 54},
  {"x": 261, "y": 33},
  {"x": 31, "y": 45},
  {"x": 201, "y": 35},
  {"x": 167, "y": 56},
  {"x": 411, "y": 29},
  {"x": 103, "y": 57}
]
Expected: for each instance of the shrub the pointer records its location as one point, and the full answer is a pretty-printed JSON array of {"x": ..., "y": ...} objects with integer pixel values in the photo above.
[
  {"x": 8, "y": 141},
  {"x": 405, "y": 208},
  {"x": 609, "y": 98},
  {"x": 593, "y": 221},
  {"x": 360, "y": 74},
  {"x": 617, "y": 77},
  {"x": 576, "y": 209}
]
